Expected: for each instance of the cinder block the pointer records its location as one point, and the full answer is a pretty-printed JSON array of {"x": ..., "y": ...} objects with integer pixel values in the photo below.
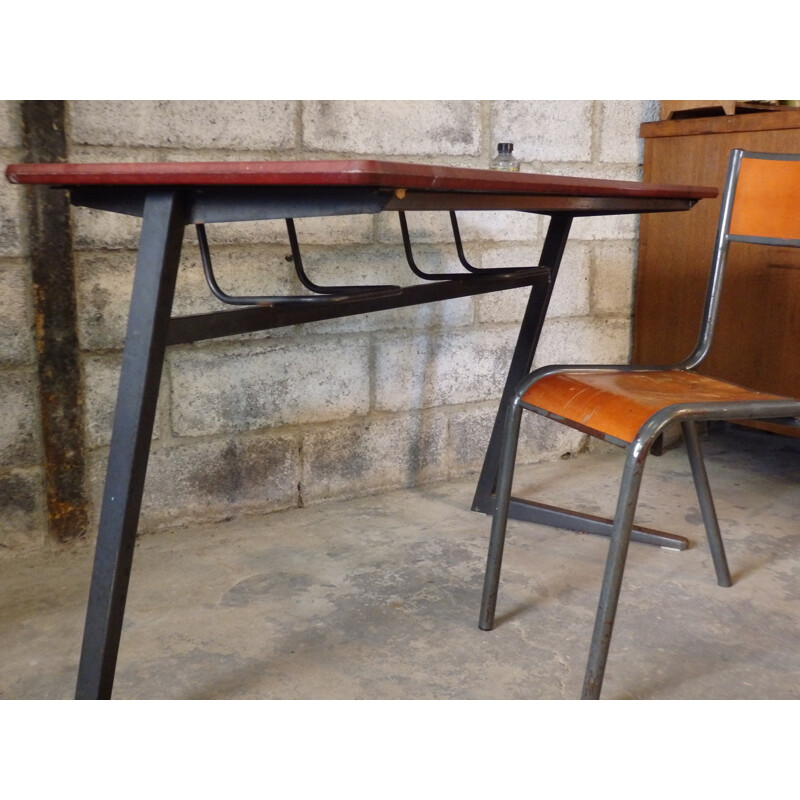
[
  {"x": 585, "y": 340},
  {"x": 223, "y": 477},
  {"x": 651, "y": 110},
  {"x": 19, "y": 422},
  {"x": 486, "y": 227},
  {"x": 570, "y": 295},
  {"x": 454, "y": 313},
  {"x": 332, "y": 231},
  {"x": 238, "y": 270},
  {"x": 12, "y": 198},
  {"x": 544, "y": 130},
  {"x": 468, "y": 436},
  {"x": 374, "y": 454},
  {"x": 105, "y": 280},
  {"x": 447, "y": 369},
  {"x": 104, "y": 283},
  {"x": 219, "y": 124},
  {"x": 211, "y": 480},
  {"x": 506, "y": 307},
  {"x": 97, "y": 229},
  {"x": 476, "y": 227},
  {"x": 613, "y": 226},
  {"x": 101, "y": 381},
  {"x": 543, "y": 439},
  {"x": 10, "y": 124},
  {"x": 234, "y": 388},
  {"x": 540, "y": 439},
  {"x": 613, "y": 278},
  {"x": 357, "y": 265},
  {"x": 604, "y": 171},
  {"x": 619, "y": 131},
  {"x": 392, "y": 127},
  {"x": 623, "y": 227},
  {"x": 571, "y": 291},
  {"x": 381, "y": 265},
  {"x": 24, "y": 526},
  {"x": 16, "y": 328},
  {"x": 424, "y": 227}
]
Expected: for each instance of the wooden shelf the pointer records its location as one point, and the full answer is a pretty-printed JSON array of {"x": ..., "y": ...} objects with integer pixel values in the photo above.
[{"x": 686, "y": 109}]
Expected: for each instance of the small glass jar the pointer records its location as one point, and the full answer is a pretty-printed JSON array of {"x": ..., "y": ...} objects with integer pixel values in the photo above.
[{"x": 504, "y": 160}]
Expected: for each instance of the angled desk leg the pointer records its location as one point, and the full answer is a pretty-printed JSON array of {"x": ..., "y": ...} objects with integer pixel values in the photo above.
[
  {"x": 522, "y": 359},
  {"x": 521, "y": 362},
  {"x": 142, "y": 361}
]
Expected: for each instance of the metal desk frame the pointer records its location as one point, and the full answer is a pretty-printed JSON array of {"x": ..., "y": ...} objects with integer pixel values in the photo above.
[{"x": 168, "y": 197}]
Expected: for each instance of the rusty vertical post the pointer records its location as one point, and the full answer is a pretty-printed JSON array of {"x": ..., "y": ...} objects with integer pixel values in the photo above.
[{"x": 55, "y": 312}]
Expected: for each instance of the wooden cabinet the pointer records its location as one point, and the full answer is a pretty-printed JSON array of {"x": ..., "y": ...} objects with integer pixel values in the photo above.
[{"x": 757, "y": 342}]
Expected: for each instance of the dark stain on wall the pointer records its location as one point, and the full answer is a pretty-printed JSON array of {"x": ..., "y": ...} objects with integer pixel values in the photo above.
[{"x": 53, "y": 274}]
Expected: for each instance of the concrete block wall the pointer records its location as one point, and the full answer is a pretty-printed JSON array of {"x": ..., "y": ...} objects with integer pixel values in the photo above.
[{"x": 333, "y": 409}]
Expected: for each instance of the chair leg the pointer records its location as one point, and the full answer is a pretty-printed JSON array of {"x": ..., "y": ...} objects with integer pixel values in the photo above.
[
  {"x": 505, "y": 477},
  {"x": 615, "y": 566},
  {"x": 706, "y": 503}
]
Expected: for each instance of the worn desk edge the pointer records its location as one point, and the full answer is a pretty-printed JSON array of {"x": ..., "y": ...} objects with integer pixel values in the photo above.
[{"x": 389, "y": 175}]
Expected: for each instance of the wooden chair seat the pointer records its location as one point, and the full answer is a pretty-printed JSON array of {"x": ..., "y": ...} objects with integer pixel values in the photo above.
[{"x": 616, "y": 403}]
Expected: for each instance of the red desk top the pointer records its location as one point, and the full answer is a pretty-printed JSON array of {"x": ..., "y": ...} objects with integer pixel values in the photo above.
[{"x": 359, "y": 172}]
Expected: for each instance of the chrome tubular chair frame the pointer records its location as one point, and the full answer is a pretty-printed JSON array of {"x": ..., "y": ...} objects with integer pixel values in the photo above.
[{"x": 687, "y": 411}]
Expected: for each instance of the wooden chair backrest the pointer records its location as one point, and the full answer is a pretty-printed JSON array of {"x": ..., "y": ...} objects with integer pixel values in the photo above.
[{"x": 766, "y": 203}]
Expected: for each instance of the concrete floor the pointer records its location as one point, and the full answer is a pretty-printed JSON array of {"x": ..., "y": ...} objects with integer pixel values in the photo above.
[{"x": 378, "y": 597}]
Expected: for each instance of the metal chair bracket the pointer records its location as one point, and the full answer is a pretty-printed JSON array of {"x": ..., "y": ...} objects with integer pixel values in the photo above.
[
  {"x": 322, "y": 294},
  {"x": 472, "y": 271}
]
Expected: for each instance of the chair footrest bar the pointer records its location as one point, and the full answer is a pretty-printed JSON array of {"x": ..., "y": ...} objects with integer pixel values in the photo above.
[{"x": 553, "y": 516}]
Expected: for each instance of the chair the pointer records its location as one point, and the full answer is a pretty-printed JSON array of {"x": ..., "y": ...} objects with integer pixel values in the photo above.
[{"x": 631, "y": 406}]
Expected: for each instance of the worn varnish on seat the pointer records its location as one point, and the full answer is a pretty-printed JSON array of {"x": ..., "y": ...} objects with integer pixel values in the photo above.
[{"x": 614, "y": 405}]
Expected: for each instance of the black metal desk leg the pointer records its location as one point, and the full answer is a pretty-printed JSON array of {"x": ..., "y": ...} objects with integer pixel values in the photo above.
[
  {"x": 151, "y": 304},
  {"x": 521, "y": 361},
  {"x": 527, "y": 341}
]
